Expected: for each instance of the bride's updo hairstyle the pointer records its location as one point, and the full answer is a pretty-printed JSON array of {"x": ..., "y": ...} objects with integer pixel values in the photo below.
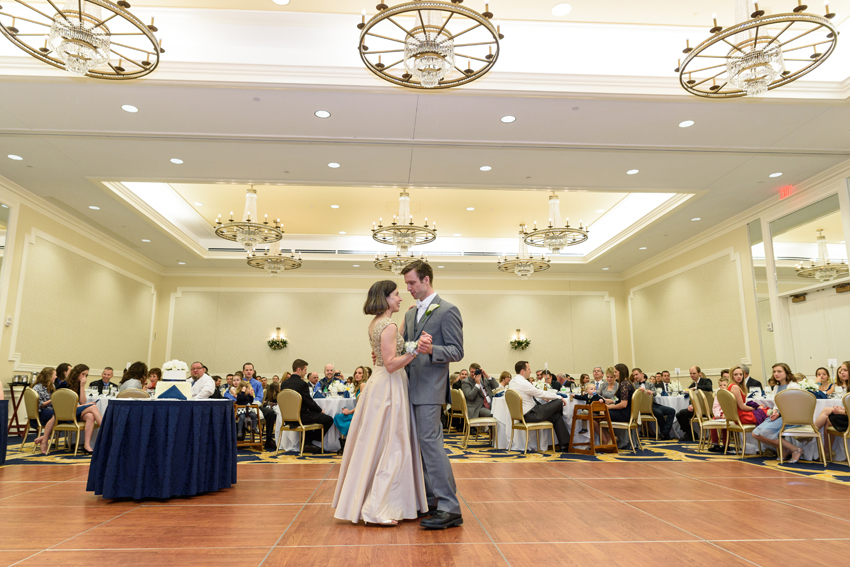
[{"x": 376, "y": 300}]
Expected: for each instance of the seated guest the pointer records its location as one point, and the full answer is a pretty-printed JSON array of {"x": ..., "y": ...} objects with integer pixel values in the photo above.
[
  {"x": 842, "y": 380},
  {"x": 620, "y": 411},
  {"x": 717, "y": 413},
  {"x": 227, "y": 384},
  {"x": 230, "y": 392},
  {"x": 245, "y": 397},
  {"x": 237, "y": 378},
  {"x": 836, "y": 415},
  {"x": 564, "y": 381},
  {"x": 771, "y": 383},
  {"x": 330, "y": 376},
  {"x": 504, "y": 379},
  {"x": 478, "y": 391},
  {"x": 134, "y": 377},
  {"x": 285, "y": 376},
  {"x": 202, "y": 384},
  {"x": 549, "y": 380},
  {"x": 456, "y": 380},
  {"x": 104, "y": 386},
  {"x": 216, "y": 395},
  {"x": 825, "y": 385},
  {"x": 154, "y": 376},
  {"x": 750, "y": 382},
  {"x": 86, "y": 412},
  {"x": 343, "y": 420},
  {"x": 767, "y": 431},
  {"x": 551, "y": 411},
  {"x": 609, "y": 387},
  {"x": 664, "y": 388},
  {"x": 62, "y": 372},
  {"x": 598, "y": 377},
  {"x": 311, "y": 412},
  {"x": 582, "y": 380},
  {"x": 314, "y": 383},
  {"x": 663, "y": 414},
  {"x": 589, "y": 397},
  {"x": 269, "y": 415},
  {"x": 736, "y": 386},
  {"x": 44, "y": 388},
  {"x": 698, "y": 382},
  {"x": 275, "y": 379},
  {"x": 250, "y": 376}
]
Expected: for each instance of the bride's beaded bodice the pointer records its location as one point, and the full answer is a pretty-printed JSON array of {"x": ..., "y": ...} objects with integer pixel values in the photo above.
[{"x": 375, "y": 340}]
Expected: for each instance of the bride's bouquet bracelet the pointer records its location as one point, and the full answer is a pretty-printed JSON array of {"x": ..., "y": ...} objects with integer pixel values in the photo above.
[{"x": 410, "y": 347}]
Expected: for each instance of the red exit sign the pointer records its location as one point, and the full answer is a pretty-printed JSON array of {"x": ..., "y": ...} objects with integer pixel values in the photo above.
[{"x": 786, "y": 191}]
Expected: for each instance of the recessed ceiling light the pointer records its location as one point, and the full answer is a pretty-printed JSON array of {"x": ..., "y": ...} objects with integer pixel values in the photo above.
[
  {"x": 182, "y": 263},
  {"x": 199, "y": 204},
  {"x": 14, "y": 157},
  {"x": 176, "y": 161},
  {"x": 129, "y": 108},
  {"x": 7, "y": 206},
  {"x": 686, "y": 124},
  {"x": 642, "y": 248},
  {"x": 485, "y": 168},
  {"x": 604, "y": 268},
  {"x": 334, "y": 206},
  {"x": 342, "y": 232},
  {"x": 777, "y": 174},
  {"x": 561, "y": 9},
  {"x": 696, "y": 219},
  {"x": 456, "y": 234},
  {"x": 600, "y": 210},
  {"x": 323, "y": 114},
  {"x": 145, "y": 240},
  {"x": 508, "y": 119},
  {"x": 281, "y": 2},
  {"x": 632, "y": 171},
  {"x": 470, "y": 208},
  {"x": 92, "y": 207},
  {"x": 356, "y": 265},
  {"x": 333, "y": 165},
  {"x": 441, "y": 266}
]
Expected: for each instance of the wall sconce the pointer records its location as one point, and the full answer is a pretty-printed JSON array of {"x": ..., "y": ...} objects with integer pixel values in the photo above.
[
  {"x": 519, "y": 341},
  {"x": 277, "y": 342}
]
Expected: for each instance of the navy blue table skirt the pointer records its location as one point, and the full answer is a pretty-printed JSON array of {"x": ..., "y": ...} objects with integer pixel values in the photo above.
[
  {"x": 164, "y": 448},
  {"x": 4, "y": 428}
]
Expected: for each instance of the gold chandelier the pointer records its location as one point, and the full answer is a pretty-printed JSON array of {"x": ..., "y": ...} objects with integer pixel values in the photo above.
[
  {"x": 397, "y": 263},
  {"x": 91, "y": 38},
  {"x": 822, "y": 269},
  {"x": 274, "y": 261},
  {"x": 558, "y": 235},
  {"x": 759, "y": 53},
  {"x": 524, "y": 264},
  {"x": 430, "y": 55},
  {"x": 403, "y": 235},
  {"x": 248, "y": 232}
]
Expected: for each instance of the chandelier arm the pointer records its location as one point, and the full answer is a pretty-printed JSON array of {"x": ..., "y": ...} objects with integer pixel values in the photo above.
[
  {"x": 424, "y": 28},
  {"x": 774, "y": 38},
  {"x": 439, "y": 33},
  {"x": 80, "y": 9},
  {"x": 60, "y": 12},
  {"x": 756, "y": 39},
  {"x": 384, "y": 37},
  {"x": 721, "y": 86},
  {"x": 458, "y": 70},
  {"x": 34, "y": 9},
  {"x": 394, "y": 64},
  {"x": 798, "y": 60},
  {"x": 707, "y": 68},
  {"x": 126, "y": 33},
  {"x": 139, "y": 65},
  {"x": 801, "y": 35},
  {"x": 24, "y": 19},
  {"x": 29, "y": 35},
  {"x": 710, "y": 56},
  {"x": 477, "y": 25},
  {"x": 470, "y": 57},
  {"x": 708, "y": 79},
  {"x": 810, "y": 45},
  {"x": 387, "y": 51},
  {"x": 733, "y": 46},
  {"x": 109, "y": 18},
  {"x": 133, "y": 48},
  {"x": 407, "y": 33},
  {"x": 472, "y": 44}
]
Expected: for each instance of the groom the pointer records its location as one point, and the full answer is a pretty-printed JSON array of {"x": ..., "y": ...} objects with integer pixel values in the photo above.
[{"x": 438, "y": 327}]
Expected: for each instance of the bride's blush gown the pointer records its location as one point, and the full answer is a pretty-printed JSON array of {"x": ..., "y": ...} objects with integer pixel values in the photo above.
[{"x": 380, "y": 478}]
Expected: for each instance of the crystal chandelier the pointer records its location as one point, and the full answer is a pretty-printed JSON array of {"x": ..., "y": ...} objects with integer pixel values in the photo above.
[
  {"x": 523, "y": 264},
  {"x": 274, "y": 261},
  {"x": 822, "y": 269},
  {"x": 431, "y": 56},
  {"x": 402, "y": 234},
  {"x": 91, "y": 38},
  {"x": 558, "y": 235},
  {"x": 759, "y": 53},
  {"x": 248, "y": 232},
  {"x": 397, "y": 263}
]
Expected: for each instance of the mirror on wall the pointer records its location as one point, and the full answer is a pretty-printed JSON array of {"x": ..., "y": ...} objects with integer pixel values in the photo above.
[
  {"x": 763, "y": 316},
  {"x": 805, "y": 236}
]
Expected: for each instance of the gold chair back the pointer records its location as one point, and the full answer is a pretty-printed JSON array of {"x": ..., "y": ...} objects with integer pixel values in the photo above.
[
  {"x": 797, "y": 407},
  {"x": 289, "y": 402},
  {"x": 846, "y": 401},
  {"x": 459, "y": 403},
  {"x": 698, "y": 401},
  {"x": 133, "y": 393},
  {"x": 514, "y": 401},
  {"x": 31, "y": 404},
  {"x": 729, "y": 406},
  {"x": 708, "y": 404},
  {"x": 645, "y": 403},
  {"x": 65, "y": 404},
  {"x": 637, "y": 403}
]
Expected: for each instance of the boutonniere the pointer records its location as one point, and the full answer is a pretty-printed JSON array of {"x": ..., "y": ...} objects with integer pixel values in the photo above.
[{"x": 431, "y": 309}]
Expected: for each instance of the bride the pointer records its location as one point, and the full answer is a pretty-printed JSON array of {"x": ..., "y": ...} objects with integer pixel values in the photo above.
[{"x": 380, "y": 478}]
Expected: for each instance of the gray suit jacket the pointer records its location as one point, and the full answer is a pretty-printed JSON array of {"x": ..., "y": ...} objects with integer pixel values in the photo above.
[
  {"x": 429, "y": 373},
  {"x": 474, "y": 399}
]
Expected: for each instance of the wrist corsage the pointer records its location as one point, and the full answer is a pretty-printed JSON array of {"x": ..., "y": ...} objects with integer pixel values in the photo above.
[{"x": 410, "y": 347}]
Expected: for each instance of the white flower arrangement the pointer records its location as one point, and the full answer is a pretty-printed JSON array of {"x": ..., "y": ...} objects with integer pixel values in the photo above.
[
  {"x": 540, "y": 385},
  {"x": 176, "y": 365},
  {"x": 807, "y": 384},
  {"x": 410, "y": 347},
  {"x": 337, "y": 387}
]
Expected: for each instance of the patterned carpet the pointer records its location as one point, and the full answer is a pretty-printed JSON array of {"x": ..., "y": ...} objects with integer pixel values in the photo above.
[{"x": 480, "y": 451}]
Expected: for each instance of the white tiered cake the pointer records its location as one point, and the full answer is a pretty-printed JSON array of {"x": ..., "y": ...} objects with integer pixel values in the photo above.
[{"x": 174, "y": 374}]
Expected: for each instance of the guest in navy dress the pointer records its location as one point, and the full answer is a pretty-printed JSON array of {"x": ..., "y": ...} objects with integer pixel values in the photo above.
[{"x": 61, "y": 380}]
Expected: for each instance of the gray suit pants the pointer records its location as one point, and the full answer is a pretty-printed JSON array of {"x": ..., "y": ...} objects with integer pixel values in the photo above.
[{"x": 439, "y": 479}]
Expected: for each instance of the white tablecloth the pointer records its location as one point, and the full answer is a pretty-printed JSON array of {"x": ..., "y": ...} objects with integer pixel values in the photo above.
[
  {"x": 331, "y": 407},
  {"x": 503, "y": 429},
  {"x": 678, "y": 403}
]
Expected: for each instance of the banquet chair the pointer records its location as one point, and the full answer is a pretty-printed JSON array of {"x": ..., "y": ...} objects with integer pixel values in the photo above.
[
  {"x": 133, "y": 393},
  {"x": 798, "y": 409},
  {"x": 31, "y": 404},
  {"x": 699, "y": 402},
  {"x": 65, "y": 404},
  {"x": 703, "y": 417},
  {"x": 514, "y": 402},
  {"x": 831, "y": 431},
  {"x": 256, "y": 440},
  {"x": 289, "y": 402},
  {"x": 646, "y": 415},
  {"x": 733, "y": 423},
  {"x": 459, "y": 400},
  {"x": 632, "y": 424},
  {"x": 454, "y": 410}
]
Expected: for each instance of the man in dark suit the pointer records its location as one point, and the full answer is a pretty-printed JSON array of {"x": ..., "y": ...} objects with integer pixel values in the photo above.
[
  {"x": 310, "y": 410},
  {"x": 684, "y": 416},
  {"x": 663, "y": 414},
  {"x": 105, "y": 385},
  {"x": 478, "y": 390},
  {"x": 751, "y": 382}
]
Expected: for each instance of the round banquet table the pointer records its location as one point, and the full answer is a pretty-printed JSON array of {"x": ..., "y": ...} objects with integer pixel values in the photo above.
[
  {"x": 499, "y": 408},
  {"x": 164, "y": 448},
  {"x": 331, "y": 407},
  {"x": 678, "y": 403}
]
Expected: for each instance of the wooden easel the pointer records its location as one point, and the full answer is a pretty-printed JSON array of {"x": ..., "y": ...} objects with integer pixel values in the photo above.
[{"x": 596, "y": 412}]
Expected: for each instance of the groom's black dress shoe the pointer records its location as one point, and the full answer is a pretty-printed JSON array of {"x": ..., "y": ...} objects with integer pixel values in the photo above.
[
  {"x": 431, "y": 510},
  {"x": 440, "y": 520}
]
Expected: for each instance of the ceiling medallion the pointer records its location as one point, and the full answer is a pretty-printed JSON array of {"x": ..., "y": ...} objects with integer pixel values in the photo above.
[
  {"x": 758, "y": 54},
  {"x": 432, "y": 52},
  {"x": 558, "y": 235},
  {"x": 822, "y": 269},
  {"x": 274, "y": 261},
  {"x": 403, "y": 235},
  {"x": 87, "y": 38},
  {"x": 247, "y": 232},
  {"x": 523, "y": 264}
]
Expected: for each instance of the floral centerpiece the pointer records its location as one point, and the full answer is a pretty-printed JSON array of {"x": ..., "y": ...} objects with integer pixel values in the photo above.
[
  {"x": 541, "y": 385},
  {"x": 520, "y": 344},
  {"x": 337, "y": 387},
  {"x": 175, "y": 370},
  {"x": 277, "y": 343},
  {"x": 807, "y": 384}
]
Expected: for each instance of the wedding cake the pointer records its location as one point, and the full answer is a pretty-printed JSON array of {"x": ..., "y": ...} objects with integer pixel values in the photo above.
[{"x": 174, "y": 374}]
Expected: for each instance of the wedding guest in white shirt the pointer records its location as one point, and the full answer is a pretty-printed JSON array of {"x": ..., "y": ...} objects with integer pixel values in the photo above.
[
  {"x": 534, "y": 412},
  {"x": 202, "y": 384}
]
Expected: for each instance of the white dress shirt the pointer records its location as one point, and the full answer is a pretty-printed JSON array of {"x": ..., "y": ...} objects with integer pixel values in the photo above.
[
  {"x": 523, "y": 387},
  {"x": 203, "y": 387},
  {"x": 422, "y": 306}
]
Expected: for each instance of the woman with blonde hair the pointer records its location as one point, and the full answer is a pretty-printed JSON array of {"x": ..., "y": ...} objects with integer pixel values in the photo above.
[
  {"x": 836, "y": 415},
  {"x": 768, "y": 431},
  {"x": 343, "y": 420},
  {"x": 736, "y": 386}
]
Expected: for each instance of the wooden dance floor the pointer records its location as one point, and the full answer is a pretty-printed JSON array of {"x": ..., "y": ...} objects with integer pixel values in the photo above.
[{"x": 520, "y": 514}]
